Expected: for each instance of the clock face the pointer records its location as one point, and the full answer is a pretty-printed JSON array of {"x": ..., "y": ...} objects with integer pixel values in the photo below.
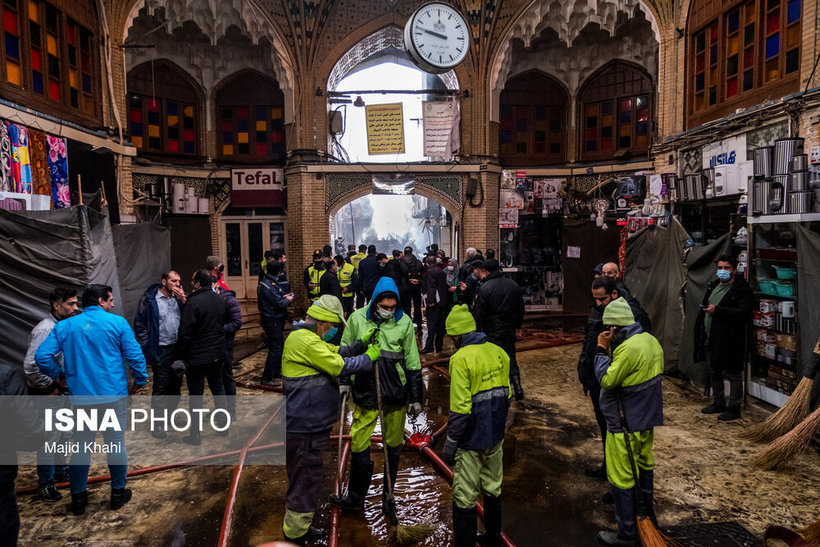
[{"x": 436, "y": 37}]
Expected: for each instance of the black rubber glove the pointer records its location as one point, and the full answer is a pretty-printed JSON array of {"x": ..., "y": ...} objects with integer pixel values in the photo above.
[{"x": 448, "y": 453}]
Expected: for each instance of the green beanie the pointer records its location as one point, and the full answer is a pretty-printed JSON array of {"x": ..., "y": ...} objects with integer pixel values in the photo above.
[
  {"x": 618, "y": 313},
  {"x": 460, "y": 321},
  {"x": 327, "y": 308}
]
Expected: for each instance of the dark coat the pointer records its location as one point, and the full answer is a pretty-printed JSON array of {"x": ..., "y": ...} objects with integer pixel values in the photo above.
[
  {"x": 201, "y": 337},
  {"x": 434, "y": 287},
  {"x": 415, "y": 270},
  {"x": 640, "y": 314},
  {"x": 146, "y": 324},
  {"x": 396, "y": 270},
  {"x": 22, "y": 424},
  {"x": 586, "y": 362},
  {"x": 329, "y": 284},
  {"x": 369, "y": 274},
  {"x": 730, "y": 323},
  {"x": 498, "y": 306},
  {"x": 270, "y": 298},
  {"x": 234, "y": 318}
]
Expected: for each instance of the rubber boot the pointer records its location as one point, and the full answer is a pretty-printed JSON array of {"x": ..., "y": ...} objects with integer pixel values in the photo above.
[
  {"x": 492, "y": 522},
  {"x": 464, "y": 526},
  {"x": 119, "y": 497},
  {"x": 393, "y": 454},
  {"x": 194, "y": 438},
  {"x": 646, "y": 484},
  {"x": 78, "y": 503},
  {"x": 312, "y": 535},
  {"x": 515, "y": 383},
  {"x": 361, "y": 471},
  {"x": 625, "y": 516}
]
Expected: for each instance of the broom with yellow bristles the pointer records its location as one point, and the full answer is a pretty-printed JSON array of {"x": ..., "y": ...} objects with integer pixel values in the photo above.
[
  {"x": 791, "y": 413},
  {"x": 790, "y": 445}
]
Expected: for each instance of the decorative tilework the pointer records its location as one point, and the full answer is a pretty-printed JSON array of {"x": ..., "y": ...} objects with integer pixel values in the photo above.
[
  {"x": 691, "y": 161},
  {"x": 338, "y": 187},
  {"x": 765, "y": 136}
]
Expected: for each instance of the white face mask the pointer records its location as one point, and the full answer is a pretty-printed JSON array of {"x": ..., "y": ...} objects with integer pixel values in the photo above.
[
  {"x": 438, "y": 260},
  {"x": 450, "y": 268},
  {"x": 384, "y": 314}
]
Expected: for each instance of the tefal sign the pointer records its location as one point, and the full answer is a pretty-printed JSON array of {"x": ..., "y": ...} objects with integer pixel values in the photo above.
[{"x": 252, "y": 187}]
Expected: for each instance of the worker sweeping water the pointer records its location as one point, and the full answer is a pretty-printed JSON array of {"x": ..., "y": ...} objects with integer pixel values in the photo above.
[
  {"x": 479, "y": 401},
  {"x": 310, "y": 367},
  {"x": 630, "y": 394},
  {"x": 400, "y": 385}
]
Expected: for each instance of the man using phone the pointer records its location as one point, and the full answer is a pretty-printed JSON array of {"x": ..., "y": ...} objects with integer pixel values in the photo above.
[{"x": 273, "y": 303}]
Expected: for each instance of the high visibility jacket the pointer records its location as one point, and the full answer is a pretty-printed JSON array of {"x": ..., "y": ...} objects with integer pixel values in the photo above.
[
  {"x": 633, "y": 374},
  {"x": 310, "y": 367},
  {"x": 479, "y": 393},
  {"x": 345, "y": 275},
  {"x": 315, "y": 276},
  {"x": 355, "y": 259}
]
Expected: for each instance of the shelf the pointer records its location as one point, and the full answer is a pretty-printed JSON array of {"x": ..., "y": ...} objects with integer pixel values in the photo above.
[
  {"x": 780, "y": 219},
  {"x": 766, "y": 393}
]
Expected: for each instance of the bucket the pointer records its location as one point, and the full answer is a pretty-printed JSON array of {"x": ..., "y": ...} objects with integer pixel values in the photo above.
[{"x": 762, "y": 162}]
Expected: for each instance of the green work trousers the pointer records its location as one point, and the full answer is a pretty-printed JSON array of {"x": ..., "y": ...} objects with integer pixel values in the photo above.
[
  {"x": 364, "y": 422},
  {"x": 477, "y": 471},
  {"x": 618, "y": 467}
]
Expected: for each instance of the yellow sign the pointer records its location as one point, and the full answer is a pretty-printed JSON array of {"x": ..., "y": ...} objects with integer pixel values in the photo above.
[{"x": 385, "y": 128}]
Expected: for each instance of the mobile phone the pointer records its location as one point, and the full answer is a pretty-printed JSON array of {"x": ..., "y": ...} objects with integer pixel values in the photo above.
[{"x": 702, "y": 306}]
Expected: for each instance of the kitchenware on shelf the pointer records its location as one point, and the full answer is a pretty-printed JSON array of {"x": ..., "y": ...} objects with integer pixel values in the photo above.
[
  {"x": 784, "y": 272},
  {"x": 799, "y": 181},
  {"x": 777, "y": 197},
  {"x": 787, "y": 307},
  {"x": 762, "y": 161},
  {"x": 784, "y": 288},
  {"x": 800, "y": 162},
  {"x": 784, "y": 150},
  {"x": 760, "y": 197},
  {"x": 800, "y": 202},
  {"x": 708, "y": 182},
  {"x": 766, "y": 286}
]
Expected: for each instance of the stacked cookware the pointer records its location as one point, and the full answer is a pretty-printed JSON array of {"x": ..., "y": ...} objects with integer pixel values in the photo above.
[
  {"x": 800, "y": 195},
  {"x": 761, "y": 181},
  {"x": 781, "y": 179}
]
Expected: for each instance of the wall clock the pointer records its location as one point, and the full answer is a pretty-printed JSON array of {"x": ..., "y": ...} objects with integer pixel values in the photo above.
[{"x": 436, "y": 37}]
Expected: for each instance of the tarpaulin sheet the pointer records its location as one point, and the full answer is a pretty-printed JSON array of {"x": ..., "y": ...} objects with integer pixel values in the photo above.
[
  {"x": 42, "y": 250},
  {"x": 655, "y": 275},
  {"x": 143, "y": 255},
  {"x": 808, "y": 297},
  {"x": 700, "y": 271},
  {"x": 596, "y": 246}
]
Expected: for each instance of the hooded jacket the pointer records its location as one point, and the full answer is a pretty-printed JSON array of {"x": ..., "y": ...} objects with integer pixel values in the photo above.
[
  {"x": 727, "y": 339},
  {"x": 146, "y": 323},
  {"x": 498, "y": 306},
  {"x": 399, "y": 364},
  {"x": 202, "y": 328},
  {"x": 270, "y": 298},
  {"x": 633, "y": 374}
]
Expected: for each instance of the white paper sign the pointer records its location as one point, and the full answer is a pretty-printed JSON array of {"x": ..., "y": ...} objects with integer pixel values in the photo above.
[
  {"x": 655, "y": 185},
  {"x": 573, "y": 252},
  {"x": 437, "y": 119}
]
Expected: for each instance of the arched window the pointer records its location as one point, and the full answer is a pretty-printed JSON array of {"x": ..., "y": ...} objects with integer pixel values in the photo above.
[
  {"x": 616, "y": 113},
  {"x": 163, "y": 109},
  {"x": 50, "y": 57},
  {"x": 250, "y": 118},
  {"x": 740, "y": 55},
  {"x": 533, "y": 120}
]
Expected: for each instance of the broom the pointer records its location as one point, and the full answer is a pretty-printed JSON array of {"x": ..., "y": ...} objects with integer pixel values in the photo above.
[
  {"x": 789, "y": 445},
  {"x": 811, "y": 533},
  {"x": 403, "y": 534},
  {"x": 791, "y": 413},
  {"x": 648, "y": 533}
]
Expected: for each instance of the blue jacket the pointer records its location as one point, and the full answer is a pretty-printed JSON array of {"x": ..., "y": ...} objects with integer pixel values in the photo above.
[
  {"x": 270, "y": 298},
  {"x": 369, "y": 273},
  {"x": 94, "y": 344},
  {"x": 146, "y": 324}
]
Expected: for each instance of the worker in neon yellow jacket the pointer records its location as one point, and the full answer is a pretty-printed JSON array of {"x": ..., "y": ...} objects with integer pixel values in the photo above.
[
  {"x": 479, "y": 401},
  {"x": 310, "y": 368},
  {"x": 630, "y": 395}
]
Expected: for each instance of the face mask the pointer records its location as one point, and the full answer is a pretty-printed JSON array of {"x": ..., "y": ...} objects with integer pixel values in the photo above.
[
  {"x": 381, "y": 265},
  {"x": 384, "y": 314},
  {"x": 723, "y": 275},
  {"x": 450, "y": 268},
  {"x": 438, "y": 260},
  {"x": 330, "y": 335}
]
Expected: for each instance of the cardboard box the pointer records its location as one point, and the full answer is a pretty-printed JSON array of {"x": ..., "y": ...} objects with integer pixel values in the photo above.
[
  {"x": 787, "y": 341},
  {"x": 768, "y": 305}
]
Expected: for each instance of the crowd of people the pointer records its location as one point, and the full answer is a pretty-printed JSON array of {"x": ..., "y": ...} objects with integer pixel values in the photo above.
[{"x": 360, "y": 340}]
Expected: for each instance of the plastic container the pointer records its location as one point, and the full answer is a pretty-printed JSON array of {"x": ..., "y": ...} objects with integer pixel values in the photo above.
[
  {"x": 785, "y": 273},
  {"x": 784, "y": 289},
  {"x": 767, "y": 286}
]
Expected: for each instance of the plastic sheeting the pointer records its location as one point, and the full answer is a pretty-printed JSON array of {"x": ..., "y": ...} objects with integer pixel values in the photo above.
[
  {"x": 700, "y": 271},
  {"x": 808, "y": 295},
  {"x": 655, "y": 275},
  {"x": 143, "y": 255},
  {"x": 41, "y": 250}
]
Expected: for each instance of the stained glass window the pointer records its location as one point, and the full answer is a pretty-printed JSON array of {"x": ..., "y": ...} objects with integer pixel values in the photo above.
[
  {"x": 532, "y": 121},
  {"x": 739, "y": 50},
  {"x": 11, "y": 43}
]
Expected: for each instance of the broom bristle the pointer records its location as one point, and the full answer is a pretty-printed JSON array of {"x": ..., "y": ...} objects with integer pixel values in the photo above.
[
  {"x": 650, "y": 536},
  {"x": 789, "y": 445},
  {"x": 786, "y": 418},
  {"x": 412, "y": 533},
  {"x": 811, "y": 533}
]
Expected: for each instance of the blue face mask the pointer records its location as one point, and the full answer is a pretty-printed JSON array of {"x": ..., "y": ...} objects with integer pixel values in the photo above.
[
  {"x": 724, "y": 275},
  {"x": 330, "y": 335}
]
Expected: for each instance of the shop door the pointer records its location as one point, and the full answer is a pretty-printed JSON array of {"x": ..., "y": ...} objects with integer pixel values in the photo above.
[{"x": 244, "y": 244}]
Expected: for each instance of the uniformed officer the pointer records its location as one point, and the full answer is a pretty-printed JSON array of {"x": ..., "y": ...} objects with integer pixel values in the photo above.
[
  {"x": 313, "y": 275},
  {"x": 346, "y": 274}
]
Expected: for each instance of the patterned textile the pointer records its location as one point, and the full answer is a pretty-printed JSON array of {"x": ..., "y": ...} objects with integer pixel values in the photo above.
[
  {"x": 40, "y": 179},
  {"x": 58, "y": 171},
  {"x": 6, "y": 182},
  {"x": 10, "y": 204},
  {"x": 20, "y": 164}
]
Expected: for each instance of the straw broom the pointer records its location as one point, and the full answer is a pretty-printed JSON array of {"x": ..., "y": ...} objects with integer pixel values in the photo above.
[
  {"x": 403, "y": 534},
  {"x": 789, "y": 445},
  {"x": 791, "y": 413}
]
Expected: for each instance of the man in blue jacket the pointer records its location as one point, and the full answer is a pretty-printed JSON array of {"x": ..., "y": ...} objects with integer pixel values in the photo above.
[
  {"x": 156, "y": 325},
  {"x": 94, "y": 345},
  {"x": 273, "y": 305}
]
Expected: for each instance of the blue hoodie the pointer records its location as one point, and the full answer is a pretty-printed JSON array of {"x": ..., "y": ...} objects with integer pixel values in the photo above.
[{"x": 385, "y": 284}]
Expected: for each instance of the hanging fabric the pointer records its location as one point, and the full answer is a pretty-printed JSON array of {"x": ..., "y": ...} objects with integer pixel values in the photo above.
[
  {"x": 6, "y": 180},
  {"x": 20, "y": 163},
  {"x": 40, "y": 179},
  {"x": 58, "y": 171}
]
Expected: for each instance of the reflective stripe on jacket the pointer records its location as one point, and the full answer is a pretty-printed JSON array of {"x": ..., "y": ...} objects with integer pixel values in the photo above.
[
  {"x": 345, "y": 275},
  {"x": 315, "y": 278}
]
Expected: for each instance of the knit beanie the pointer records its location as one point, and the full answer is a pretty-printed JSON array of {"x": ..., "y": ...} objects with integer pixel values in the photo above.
[
  {"x": 327, "y": 308},
  {"x": 459, "y": 321},
  {"x": 618, "y": 313}
]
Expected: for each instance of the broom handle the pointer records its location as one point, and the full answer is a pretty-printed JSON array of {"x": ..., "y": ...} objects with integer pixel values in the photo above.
[
  {"x": 384, "y": 432},
  {"x": 625, "y": 427},
  {"x": 341, "y": 432}
]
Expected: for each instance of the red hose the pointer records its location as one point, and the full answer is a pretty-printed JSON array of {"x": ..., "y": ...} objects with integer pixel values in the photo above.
[
  {"x": 227, "y": 519},
  {"x": 333, "y": 538}
]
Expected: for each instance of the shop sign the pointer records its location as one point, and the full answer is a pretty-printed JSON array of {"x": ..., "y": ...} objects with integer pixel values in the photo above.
[
  {"x": 252, "y": 187},
  {"x": 726, "y": 152}
]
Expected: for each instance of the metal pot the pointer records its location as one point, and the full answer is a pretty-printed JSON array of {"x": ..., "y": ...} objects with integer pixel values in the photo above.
[
  {"x": 799, "y": 181},
  {"x": 800, "y": 162},
  {"x": 784, "y": 150},
  {"x": 799, "y": 202},
  {"x": 708, "y": 182},
  {"x": 759, "y": 197},
  {"x": 777, "y": 197},
  {"x": 762, "y": 162}
]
